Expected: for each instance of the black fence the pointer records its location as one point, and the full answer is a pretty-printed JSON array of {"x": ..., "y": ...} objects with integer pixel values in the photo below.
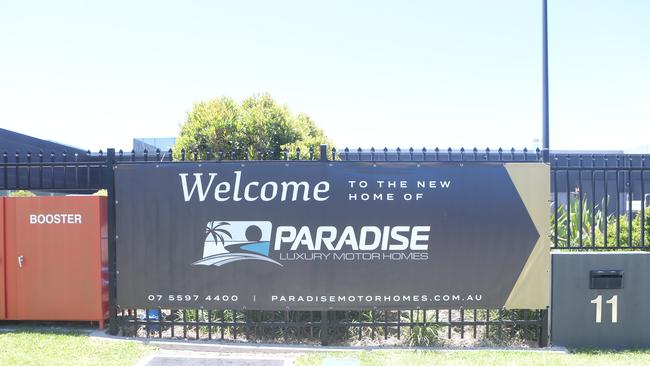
[
  {"x": 600, "y": 202},
  {"x": 57, "y": 173},
  {"x": 597, "y": 202}
]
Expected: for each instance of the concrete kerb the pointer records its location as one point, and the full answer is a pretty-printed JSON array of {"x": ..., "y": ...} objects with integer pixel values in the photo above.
[{"x": 215, "y": 346}]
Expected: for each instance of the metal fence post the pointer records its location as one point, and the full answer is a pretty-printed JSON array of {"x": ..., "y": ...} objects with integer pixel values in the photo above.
[
  {"x": 323, "y": 152},
  {"x": 543, "y": 329},
  {"x": 324, "y": 328},
  {"x": 324, "y": 315},
  {"x": 112, "y": 268}
]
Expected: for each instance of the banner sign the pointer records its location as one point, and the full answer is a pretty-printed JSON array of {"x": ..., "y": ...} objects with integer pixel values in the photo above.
[{"x": 332, "y": 235}]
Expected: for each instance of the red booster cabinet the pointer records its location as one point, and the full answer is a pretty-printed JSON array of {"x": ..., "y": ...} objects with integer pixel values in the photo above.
[{"x": 54, "y": 258}]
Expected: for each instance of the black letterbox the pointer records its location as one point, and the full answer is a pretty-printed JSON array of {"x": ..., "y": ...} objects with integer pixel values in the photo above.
[{"x": 605, "y": 279}]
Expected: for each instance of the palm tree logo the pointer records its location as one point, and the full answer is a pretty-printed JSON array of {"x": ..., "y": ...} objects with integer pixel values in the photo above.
[
  {"x": 231, "y": 241},
  {"x": 215, "y": 239}
]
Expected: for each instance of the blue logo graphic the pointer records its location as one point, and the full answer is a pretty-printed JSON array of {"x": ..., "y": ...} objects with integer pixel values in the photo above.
[{"x": 232, "y": 241}]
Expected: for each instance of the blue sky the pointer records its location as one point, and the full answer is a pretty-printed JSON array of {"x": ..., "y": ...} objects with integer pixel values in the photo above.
[{"x": 371, "y": 73}]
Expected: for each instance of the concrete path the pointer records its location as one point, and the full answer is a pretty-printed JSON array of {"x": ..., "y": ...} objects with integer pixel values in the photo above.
[{"x": 190, "y": 358}]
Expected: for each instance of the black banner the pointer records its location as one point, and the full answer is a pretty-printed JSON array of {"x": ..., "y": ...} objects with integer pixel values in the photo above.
[{"x": 319, "y": 235}]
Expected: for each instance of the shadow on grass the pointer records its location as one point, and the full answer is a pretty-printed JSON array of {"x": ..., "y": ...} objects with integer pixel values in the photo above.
[
  {"x": 607, "y": 351},
  {"x": 80, "y": 329}
]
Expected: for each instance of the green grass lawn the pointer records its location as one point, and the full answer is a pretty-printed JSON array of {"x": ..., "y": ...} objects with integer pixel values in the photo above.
[
  {"x": 50, "y": 347},
  {"x": 60, "y": 347},
  {"x": 488, "y": 358}
]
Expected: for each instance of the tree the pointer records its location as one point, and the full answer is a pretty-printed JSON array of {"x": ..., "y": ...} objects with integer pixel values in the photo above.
[{"x": 258, "y": 128}]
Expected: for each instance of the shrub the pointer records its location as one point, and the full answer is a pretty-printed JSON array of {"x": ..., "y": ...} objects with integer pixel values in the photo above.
[
  {"x": 580, "y": 221},
  {"x": 21, "y": 193},
  {"x": 425, "y": 332}
]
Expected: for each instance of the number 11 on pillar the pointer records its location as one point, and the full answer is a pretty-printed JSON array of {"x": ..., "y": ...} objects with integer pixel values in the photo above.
[{"x": 599, "y": 308}]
